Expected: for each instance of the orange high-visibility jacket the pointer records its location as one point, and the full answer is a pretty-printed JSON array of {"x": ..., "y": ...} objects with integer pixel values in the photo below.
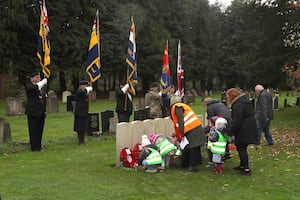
[{"x": 190, "y": 119}]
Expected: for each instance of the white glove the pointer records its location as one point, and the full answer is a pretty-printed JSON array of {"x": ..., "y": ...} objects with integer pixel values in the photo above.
[
  {"x": 42, "y": 83},
  {"x": 89, "y": 89},
  {"x": 160, "y": 93},
  {"x": 125, "y": 88}
]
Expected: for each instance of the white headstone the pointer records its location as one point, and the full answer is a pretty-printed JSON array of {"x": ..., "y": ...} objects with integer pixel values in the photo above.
[{"x": 64, "y": 96}]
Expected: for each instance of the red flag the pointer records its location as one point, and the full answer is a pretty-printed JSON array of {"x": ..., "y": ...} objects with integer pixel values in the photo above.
[{"x": 165, "y": 81}]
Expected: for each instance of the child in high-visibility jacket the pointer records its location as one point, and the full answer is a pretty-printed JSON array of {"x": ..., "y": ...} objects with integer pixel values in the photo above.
[
  {"x": 150, "y": 157},
  {"x": 218, "y": 145},
  {"x": 166, "y": 149}
]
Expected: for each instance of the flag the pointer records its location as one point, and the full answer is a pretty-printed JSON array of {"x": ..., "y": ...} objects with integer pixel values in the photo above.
[
  {"x": 165, "y": 81},
  {"x": 43, "y": 49},
  {"x": 93, "y": 63},
  {"x": 180, "y": 74},
  {"x": 131, "y": 60}
]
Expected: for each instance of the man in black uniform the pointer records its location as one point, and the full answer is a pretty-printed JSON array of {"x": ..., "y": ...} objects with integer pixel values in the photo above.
[
  {"x": 81, "y": 110},
  {"x": 124, "y": 102},
  {"x": 36, "y": 110}
]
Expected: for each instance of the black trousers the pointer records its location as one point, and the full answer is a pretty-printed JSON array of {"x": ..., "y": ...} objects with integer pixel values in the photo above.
[
  {"x": 191, "y": 157},
  {"x": 124, "y": 117},
  {"x": 243, "y": 154},
  {"x": 36, "y": 128}
]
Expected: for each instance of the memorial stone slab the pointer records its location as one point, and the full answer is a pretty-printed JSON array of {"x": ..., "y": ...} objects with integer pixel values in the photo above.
[
  {"x": 149, "y": 125},
  {"x": 65, "y": 94},
  {"x": 121, "y": 139},
  {"x": 52, "y": 102},
  {"x": 137, "y": 132}
]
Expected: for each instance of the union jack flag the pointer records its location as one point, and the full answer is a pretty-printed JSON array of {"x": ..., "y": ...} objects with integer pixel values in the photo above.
[
  {"x": 180, "y": 74},
  {"x": 132, "y": 78}
]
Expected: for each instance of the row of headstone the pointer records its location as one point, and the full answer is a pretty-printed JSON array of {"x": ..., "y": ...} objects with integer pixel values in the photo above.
[
  {"x": 128, "y": 134},
  {"x": 14, "y": 106},
  {"x": 108, "y": 122},
  {"x": 5, "y": 133}
]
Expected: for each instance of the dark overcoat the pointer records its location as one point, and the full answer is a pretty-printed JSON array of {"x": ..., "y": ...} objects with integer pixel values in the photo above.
[
  {"x": 243, "y": 125},
  {"x": 81, "y": 111}
]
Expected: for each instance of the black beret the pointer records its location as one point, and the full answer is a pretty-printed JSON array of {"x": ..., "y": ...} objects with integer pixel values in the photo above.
[
  {"x": 83, "y": 82},
  {"x": 122, "y": 82},
  {"x": 154, "y": 84},
  {"x": 34, "y": 74}
]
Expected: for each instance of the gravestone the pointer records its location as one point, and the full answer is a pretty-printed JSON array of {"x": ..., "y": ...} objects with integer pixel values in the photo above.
[
  {"x": 7, "y": 133},
  {"x": 65, "y": 94},
  {"x": 105, "y": 116},
  {"x": 113, "y": 121},
  {"x": 93, "y": 123},
  {"x": 190, "y": 99},
  {"x": 223, "y": 98},
  {"x": 122, "y": 139},
  {"x": 13, "y": 106},
  {"x": 275, "y": 103},
  {"x": 141, "y": 103},
  {"x": 93, "y": 95},
  {"x": 52, "y": 102},
  {"x": 112, "y": 95},
  {"x": 298, "y": 101},
  {"x": 140, "y": 115},
  {"x": 285, "y": 103},
  {"x": 2, "y": 124},
  {"x": 71, "y": 101}
]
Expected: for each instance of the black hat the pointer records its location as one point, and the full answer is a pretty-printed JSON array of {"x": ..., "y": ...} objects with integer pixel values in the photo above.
[
  {"x": 83, "y": 82},
  {"x": 122, "y": 82},
  {"x": 34, "y": 74},
  {"x": 154, "y": 84}
]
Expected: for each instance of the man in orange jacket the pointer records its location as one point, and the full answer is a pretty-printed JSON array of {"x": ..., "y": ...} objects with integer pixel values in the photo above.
[{"x": 189, "y": 132}]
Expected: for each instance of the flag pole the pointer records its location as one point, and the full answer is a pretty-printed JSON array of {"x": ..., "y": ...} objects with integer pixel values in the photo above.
[{"x": 98, "y": 34}]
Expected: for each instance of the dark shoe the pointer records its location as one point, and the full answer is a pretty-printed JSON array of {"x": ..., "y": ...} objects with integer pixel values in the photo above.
[
  {"x": 238, "y": 168},
  {"x": 246, "y": 172},
  {"x": 193, "y": 169},
  {"x": 271, "y": 144}
]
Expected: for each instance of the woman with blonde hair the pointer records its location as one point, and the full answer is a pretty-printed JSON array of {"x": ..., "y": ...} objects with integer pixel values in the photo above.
[{"x": 243, "y": 126}]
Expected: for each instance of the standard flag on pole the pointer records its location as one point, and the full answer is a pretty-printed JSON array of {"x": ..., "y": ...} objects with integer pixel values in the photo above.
[
  {"x": 43, "y": 49},
  {"x": 165, "y": 81},
  {"x": 180, "y": 74},
  {"x": 93, "y": 64},
  {"x": 131, "y": 60}
]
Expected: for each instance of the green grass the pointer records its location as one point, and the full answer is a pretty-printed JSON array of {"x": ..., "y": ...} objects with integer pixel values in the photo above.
[{"x": 64, "y": 170}]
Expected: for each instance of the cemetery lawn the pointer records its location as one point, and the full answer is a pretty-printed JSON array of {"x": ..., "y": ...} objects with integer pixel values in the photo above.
[{"x": 67, "y": 171}]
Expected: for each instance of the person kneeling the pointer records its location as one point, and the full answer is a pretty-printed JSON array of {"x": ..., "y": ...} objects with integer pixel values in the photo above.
[{"x": 150, "y": 158}]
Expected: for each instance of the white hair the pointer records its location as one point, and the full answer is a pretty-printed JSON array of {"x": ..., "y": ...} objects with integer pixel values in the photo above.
[{"x": 259, "y": 88}]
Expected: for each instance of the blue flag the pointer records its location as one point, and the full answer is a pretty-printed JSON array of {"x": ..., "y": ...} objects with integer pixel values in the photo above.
[
  {"x": 93, "y": 64},
  {"x": 132, "y": 78}
]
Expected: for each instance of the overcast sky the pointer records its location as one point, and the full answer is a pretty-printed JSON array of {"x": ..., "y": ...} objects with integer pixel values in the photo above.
[{"x": 223, "y": 2}]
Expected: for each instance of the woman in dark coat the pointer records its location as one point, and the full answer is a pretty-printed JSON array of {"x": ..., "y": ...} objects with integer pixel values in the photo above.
[
  {"x": 81, "y": 111},
  {"x": 243, "y": 126}
]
